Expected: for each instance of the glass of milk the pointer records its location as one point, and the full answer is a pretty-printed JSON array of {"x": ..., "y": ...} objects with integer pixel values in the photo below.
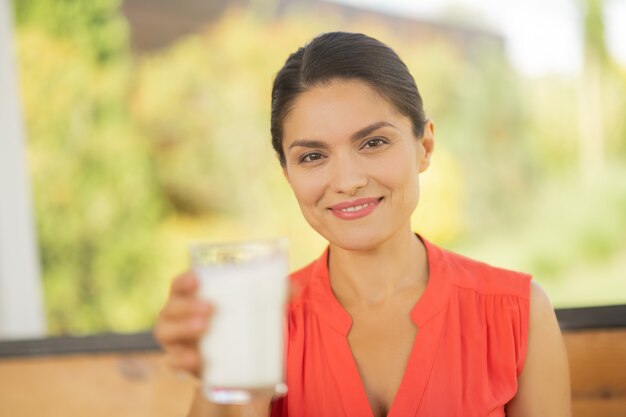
[{"x": 243, "y": 349}]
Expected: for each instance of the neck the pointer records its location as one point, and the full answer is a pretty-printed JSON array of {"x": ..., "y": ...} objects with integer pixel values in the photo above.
[{"x": 376, "y": 275}]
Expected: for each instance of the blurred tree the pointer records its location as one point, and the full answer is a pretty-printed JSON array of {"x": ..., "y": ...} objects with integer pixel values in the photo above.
[
  {"x": 591, "y": 102},
  {"x": 95, "y": 26},
  {"x": 96, "y": 202}
]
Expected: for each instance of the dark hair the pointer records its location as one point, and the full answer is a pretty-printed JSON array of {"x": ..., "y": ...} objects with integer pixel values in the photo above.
[{"x": 343, "y": 55}]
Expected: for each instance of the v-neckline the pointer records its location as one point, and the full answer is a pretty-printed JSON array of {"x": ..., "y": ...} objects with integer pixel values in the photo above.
[{"x": 424, "y": 314}]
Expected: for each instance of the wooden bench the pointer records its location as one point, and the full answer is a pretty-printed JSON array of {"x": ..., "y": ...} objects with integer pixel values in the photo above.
[{"x": 127, "y": 375}]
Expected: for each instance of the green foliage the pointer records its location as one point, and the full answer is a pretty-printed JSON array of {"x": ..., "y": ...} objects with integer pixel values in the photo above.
[
  {"x": 571, "y": 239},
  {"x": 95, "y": 26},
  {"x": 593, "y": 28},
  {"x": 95, "y": 199}
]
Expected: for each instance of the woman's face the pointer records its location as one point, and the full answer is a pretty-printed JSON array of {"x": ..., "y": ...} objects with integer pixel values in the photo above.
[{"x": 353, "y": 163}]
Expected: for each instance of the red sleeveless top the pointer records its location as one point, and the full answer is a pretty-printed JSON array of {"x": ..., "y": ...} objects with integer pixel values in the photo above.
[{"x": 470, "y": 347}]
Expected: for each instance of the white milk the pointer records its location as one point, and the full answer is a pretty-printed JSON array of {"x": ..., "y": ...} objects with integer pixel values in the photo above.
[{"x": 243, "y": 348}]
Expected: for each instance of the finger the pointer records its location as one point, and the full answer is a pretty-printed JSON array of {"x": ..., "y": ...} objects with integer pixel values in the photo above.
[
  {"x": 178, "y": 307},
  {"x": 185, "y": 284},
  {"x": 169, "y": 332},
  {"x": 188, "y": 360}
]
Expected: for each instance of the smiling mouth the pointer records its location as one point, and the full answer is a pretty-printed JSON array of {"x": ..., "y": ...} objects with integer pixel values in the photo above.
[
  {"x": 356, "y": 206},
  {"x": 359, "y": 207}
]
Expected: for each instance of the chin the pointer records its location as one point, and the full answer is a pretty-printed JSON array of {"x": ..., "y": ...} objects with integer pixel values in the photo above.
[
  {"x": 349, "y": 235},
  {"x": 362, "y": 240}
]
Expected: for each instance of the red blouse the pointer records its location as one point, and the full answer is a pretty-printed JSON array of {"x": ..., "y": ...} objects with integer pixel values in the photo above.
[{"x": 470, "y": 347}]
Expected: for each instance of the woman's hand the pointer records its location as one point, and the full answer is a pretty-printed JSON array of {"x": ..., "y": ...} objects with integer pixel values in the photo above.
[
  {"x": 181, "y": 323},
  {"x": 179, "y": 327}
]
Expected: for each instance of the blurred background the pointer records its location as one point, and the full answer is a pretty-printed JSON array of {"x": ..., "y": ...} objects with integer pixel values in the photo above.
[{"x": 147, "y": 126}]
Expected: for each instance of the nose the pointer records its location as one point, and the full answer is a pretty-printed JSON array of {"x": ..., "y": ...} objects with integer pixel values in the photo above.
[{"x": 347, "y": 175}]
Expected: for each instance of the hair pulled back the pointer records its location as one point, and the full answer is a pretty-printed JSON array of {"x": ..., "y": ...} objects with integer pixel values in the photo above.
[{"x": 344, "y": 56}]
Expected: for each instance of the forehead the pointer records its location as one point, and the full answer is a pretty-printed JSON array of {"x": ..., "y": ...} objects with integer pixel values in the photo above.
[{"x": 336, "y": 109}]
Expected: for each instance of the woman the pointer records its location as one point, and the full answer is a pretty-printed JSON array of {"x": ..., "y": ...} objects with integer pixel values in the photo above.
[{"x": 384, "y": 323}]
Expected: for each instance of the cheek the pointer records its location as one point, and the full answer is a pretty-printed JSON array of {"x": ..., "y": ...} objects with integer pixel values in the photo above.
[
  {"x": 399, "y": 172},
  {"x": 403, "y": 181},
  {"x": 308, "y": 193},
  {"x": 307, "y": 189}
]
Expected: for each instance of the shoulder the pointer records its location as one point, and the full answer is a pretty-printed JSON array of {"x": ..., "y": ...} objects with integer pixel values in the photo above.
[
  {"x": 484, "y": 278},
  {"x": 543, "y": 324},
  {"x": 540, "y": 304},
  {"x": 543, "y": 385}
]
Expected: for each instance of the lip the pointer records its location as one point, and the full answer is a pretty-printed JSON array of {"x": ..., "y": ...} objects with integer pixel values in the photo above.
[{"x": 371, "y": 204}]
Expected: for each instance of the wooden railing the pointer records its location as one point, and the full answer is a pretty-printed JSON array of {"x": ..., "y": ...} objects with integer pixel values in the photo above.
[
  {"x": 596, "y": 345},
  {"x": 127, "y": 375}
]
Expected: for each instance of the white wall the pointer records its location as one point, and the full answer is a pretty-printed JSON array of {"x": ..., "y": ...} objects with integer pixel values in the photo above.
[{"x": 21, "y": 309}]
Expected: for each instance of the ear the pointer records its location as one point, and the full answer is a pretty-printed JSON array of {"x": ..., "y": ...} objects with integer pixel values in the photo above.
[{"x": 426, "y": 146}]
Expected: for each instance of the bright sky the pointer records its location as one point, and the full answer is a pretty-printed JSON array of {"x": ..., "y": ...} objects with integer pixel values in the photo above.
[{"x": 542, "y": 36}]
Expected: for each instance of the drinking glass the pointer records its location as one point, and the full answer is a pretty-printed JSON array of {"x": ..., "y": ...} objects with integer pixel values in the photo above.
[{"x": 243, "y": 348}]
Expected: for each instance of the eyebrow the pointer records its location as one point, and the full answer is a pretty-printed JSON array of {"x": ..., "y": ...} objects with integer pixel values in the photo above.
[{"x": 360, "y": 134}]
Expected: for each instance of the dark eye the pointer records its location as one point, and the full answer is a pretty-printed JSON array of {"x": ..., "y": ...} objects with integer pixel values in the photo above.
[
  {"x": 374, "y": 143},
  {"x": 310, "y": 157}
]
